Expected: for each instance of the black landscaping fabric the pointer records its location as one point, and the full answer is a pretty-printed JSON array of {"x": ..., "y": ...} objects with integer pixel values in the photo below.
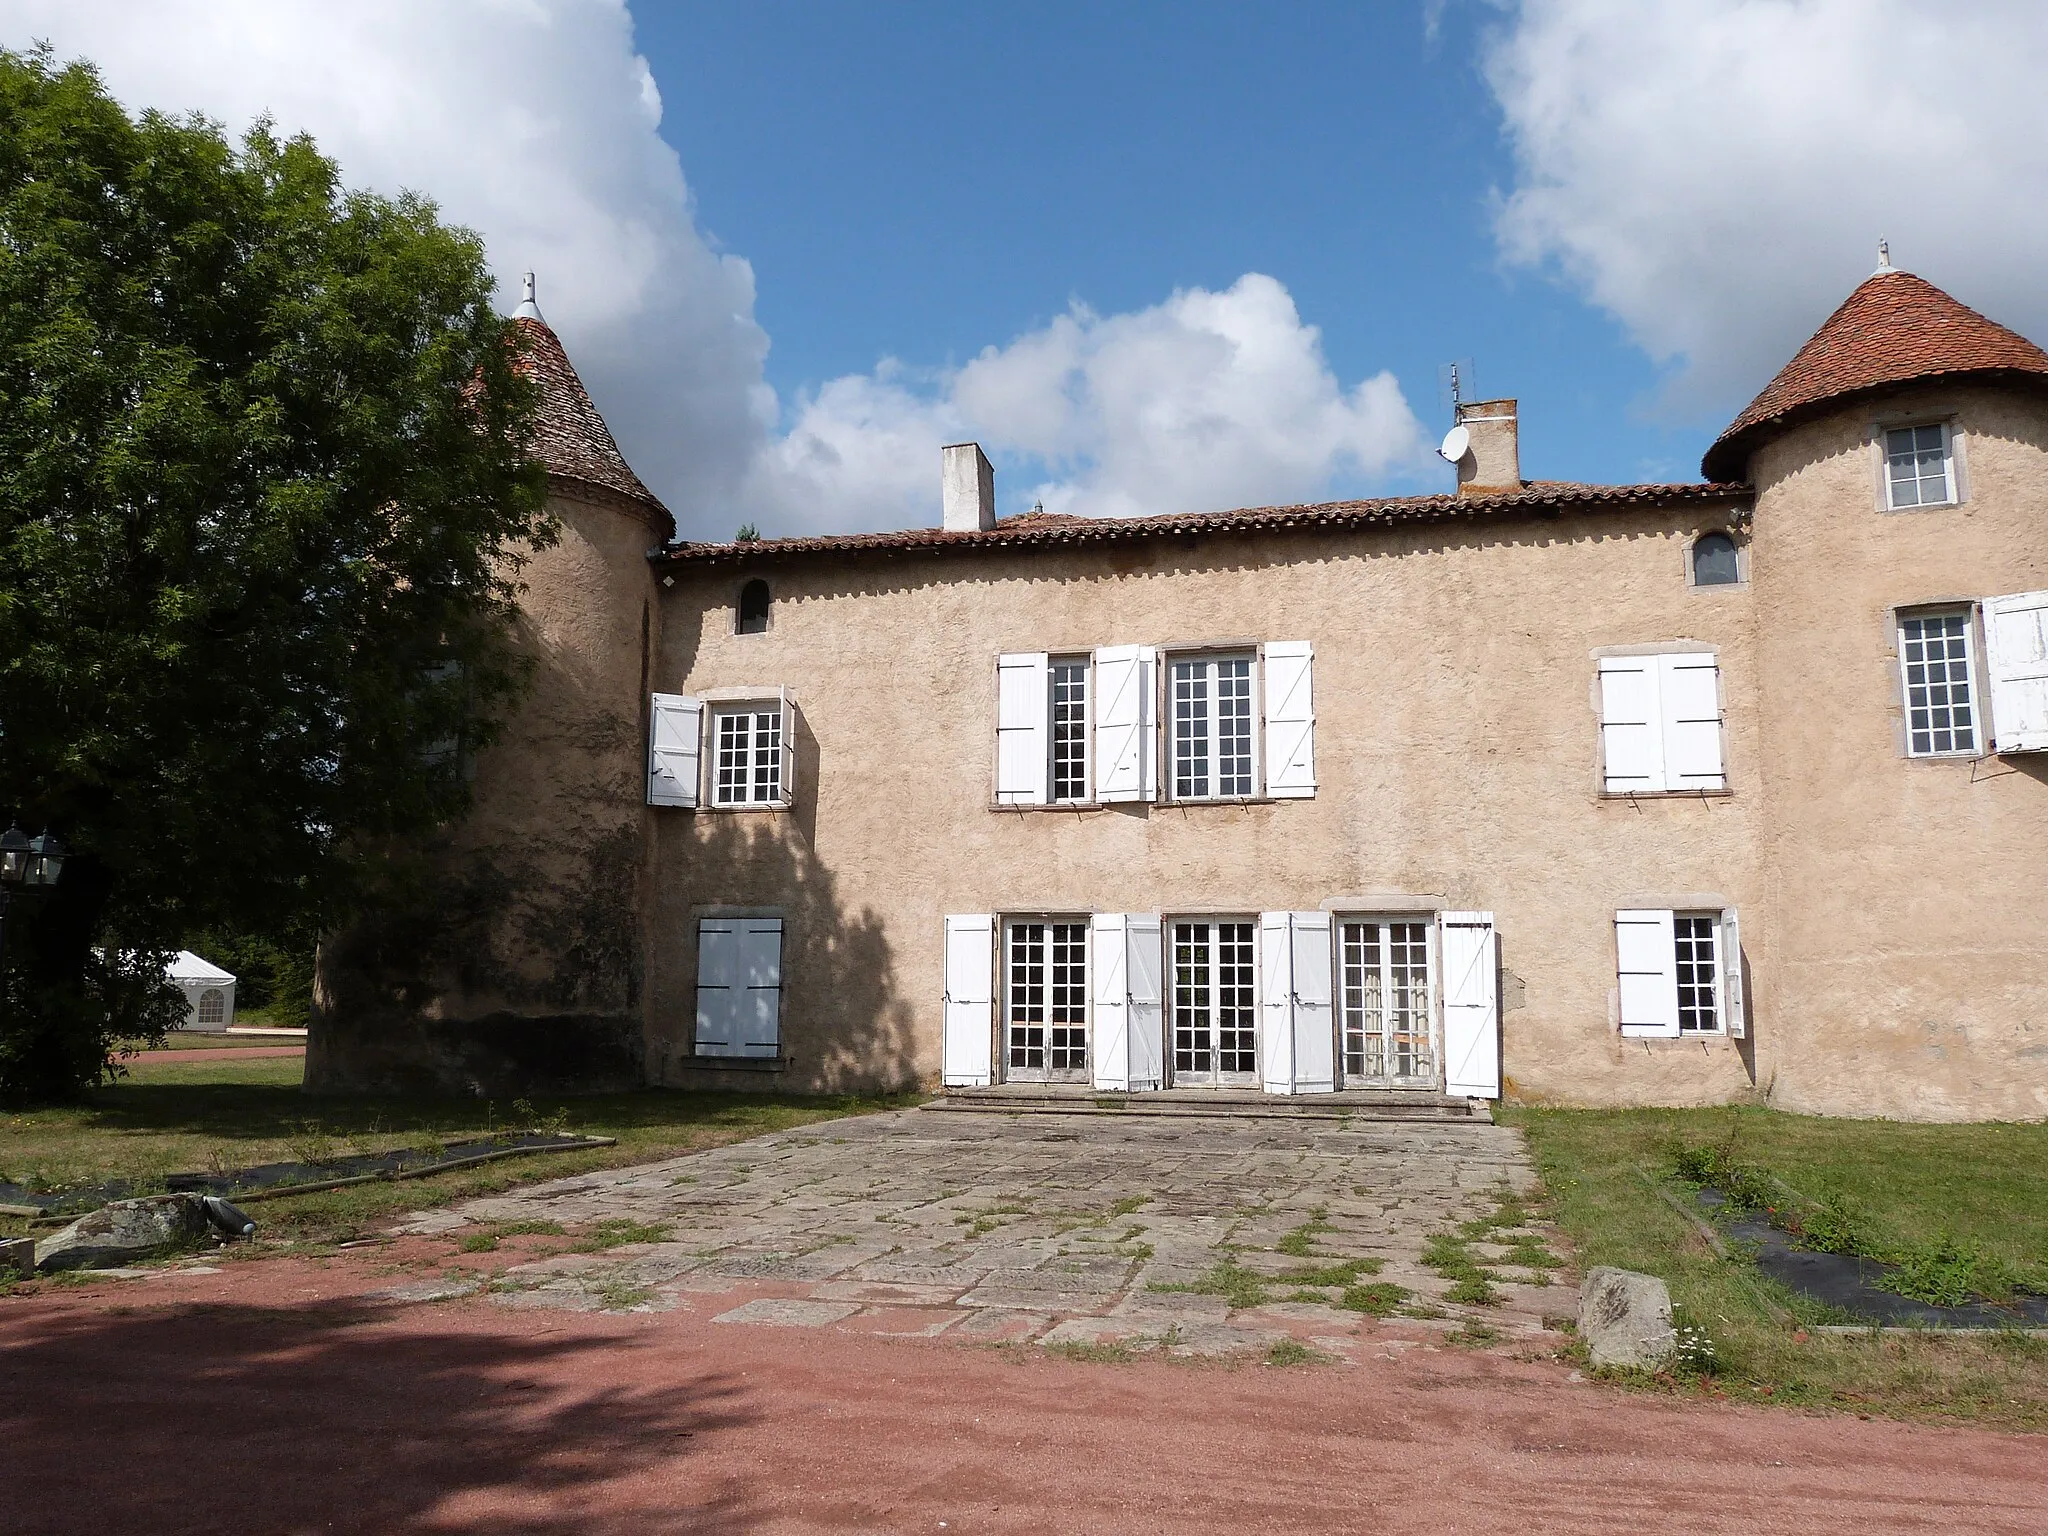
[
  {"x": 1856, "y": 1285},
  {"x": 403, "y": 1162}
]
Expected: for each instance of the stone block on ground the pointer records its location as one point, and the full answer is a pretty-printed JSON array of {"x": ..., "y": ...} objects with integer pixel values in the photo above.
[
  {"x": 1625, "y": 1318},
  {"x": 124, "y": 1231},
  {"x": 17, "y": 1256}
]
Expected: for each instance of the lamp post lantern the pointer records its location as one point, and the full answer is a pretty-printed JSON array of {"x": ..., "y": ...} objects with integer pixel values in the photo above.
[{"x": 32, "y": 862}]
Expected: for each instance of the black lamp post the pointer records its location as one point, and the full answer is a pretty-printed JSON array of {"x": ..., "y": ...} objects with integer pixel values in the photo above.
[{"x": 31, "y": 862}]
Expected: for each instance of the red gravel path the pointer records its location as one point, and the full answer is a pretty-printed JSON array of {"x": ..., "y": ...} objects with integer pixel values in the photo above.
[
  {"x": 218, "y": 1053},
  {"x": 277, "y": 1397}
]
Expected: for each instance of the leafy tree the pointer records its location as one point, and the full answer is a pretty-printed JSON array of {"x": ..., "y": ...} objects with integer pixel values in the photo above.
[{"x": 263, "y": 498}]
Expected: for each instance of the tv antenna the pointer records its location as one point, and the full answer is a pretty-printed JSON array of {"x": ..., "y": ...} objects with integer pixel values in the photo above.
[{"x": 1455, "y": 384}]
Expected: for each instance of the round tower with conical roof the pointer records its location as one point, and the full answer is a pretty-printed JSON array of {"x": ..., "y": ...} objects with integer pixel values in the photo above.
[
  {"x": 520, "y": 967},
  {"x": 1901, "y": 469}
]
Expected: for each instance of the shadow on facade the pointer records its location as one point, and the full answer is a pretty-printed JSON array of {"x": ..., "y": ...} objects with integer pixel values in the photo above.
[{"x": 306, "y": 1417}]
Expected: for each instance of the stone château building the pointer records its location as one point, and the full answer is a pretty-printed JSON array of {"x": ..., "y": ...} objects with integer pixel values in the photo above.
[{"x": 1639, "y": 794}]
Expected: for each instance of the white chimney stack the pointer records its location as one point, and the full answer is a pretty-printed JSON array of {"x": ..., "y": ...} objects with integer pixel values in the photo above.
[
  {"x": 970, "y": 488},
  {"x": 1493, "y": 462}
]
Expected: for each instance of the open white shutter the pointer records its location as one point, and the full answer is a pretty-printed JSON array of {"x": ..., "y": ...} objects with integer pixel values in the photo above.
[
  {"x": 1733, "y": 1014},
  {"x": 2016, "y": 657},
  {"x": 1689, "y": 689},
  {"x": 719, "y": 991},
  {"x": 970, "y": 1000},
  {"x": 1631, "y": 725},
  {"x": 1022, "y": 704},
  {"x": 1471, "y": 976},
  {"x": 1276, "y": 1003},
  {"x": 1290, "y": 719},
  {"x": 1315, "y": 1038},
  {"x": 1646, "y": 967},
  {"x": 788, "y": 739},
  {"x": 1126, "y": 734},
  {"x": 1145, "y": 999},
  {"x": 675, "y": 725},
  {"x": 1109, "y": 1021}
]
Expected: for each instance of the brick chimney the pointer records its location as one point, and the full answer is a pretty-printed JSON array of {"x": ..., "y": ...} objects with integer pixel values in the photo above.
[
  {"x": 969, "y": 485},
  {"x": 1494, "y": 461}
]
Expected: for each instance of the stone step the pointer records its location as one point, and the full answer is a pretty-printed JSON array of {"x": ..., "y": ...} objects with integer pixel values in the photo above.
[{"x": 1362, "y": 1104}]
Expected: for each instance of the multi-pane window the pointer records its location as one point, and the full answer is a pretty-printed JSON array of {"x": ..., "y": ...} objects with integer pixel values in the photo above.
[
  {"x": 1941, "y": 704},
  {"x": 1699, "y": 969},
  {"x": 1068, "y": 686},
  {"x": 1215, "y": 1004},
  {"x": 748, "y": 756},
  {"x": 1212, "y": 727},
  {"x": 1918, "y": 468},
  {"x": 1047, "y": 999},
  {"x": 1385, "y": 1001}
]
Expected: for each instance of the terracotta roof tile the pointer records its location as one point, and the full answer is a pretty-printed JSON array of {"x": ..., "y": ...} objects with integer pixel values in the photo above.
[
  {"x": 570, "y": 437},
  {"x": 1048, "y": 529},
  {"x": 1894, "y": 329}
]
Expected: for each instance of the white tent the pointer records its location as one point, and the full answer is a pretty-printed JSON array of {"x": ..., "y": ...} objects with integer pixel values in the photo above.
[{"x": 209, "y": 991}]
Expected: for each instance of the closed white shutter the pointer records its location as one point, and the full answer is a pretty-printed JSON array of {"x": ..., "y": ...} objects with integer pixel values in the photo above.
[
  {"x": 2016, "y": 656},
  {"x": 1689, "y": 688},
  {"x": 1631, "y": 725},
  {"x": 1734, "y": 1017},
  {"x": 719, "y": 992},
  {"x": 675, "y": 726},
  {"x": 1109, "y": 1004},
  {"x": 788, "y": 796},
  {"x": 1145, "y": 999},
  {"x": 1021, "y": 709},
  {"x": 759, "y": 987},
  {"x": 1126, "y": 725},
  {"x": 1315, "y": 1038},
  {"x": 970, "y": 1001},
  {"x": 1276, "y": 1003},
  {"x": 1290, "y": 719},
  {"x": 1471, "y": 974},
  {"x": 1646, "y": 967}
]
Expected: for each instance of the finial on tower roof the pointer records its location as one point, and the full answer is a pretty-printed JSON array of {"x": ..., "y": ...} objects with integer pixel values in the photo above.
[
  {"x": 528, "y": 309},
  {"x": 1884, "y": 257}
]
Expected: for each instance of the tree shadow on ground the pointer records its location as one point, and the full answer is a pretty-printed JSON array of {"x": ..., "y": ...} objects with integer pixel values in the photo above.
[{"x": 202, "y": 1418}]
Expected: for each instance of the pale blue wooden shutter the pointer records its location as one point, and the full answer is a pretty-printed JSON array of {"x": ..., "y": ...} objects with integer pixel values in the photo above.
[
  {"x": 674, "y": 728},
  {"x": 758, "y": 987},
  {"x": 1145, "y": 999},
  {"x": 1315, "y": 1036},
  {"x": 719, "y": 989}
]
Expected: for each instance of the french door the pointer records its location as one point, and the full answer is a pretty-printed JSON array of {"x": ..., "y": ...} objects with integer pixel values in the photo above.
[
  {"x": 1386, "y": 1021},
  {"x": 1215, "y": 1004},
  {"x": 1045, "y": 1002}
]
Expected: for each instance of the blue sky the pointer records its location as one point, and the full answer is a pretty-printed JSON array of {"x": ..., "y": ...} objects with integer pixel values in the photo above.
[
  {"x": 1156, "y": 258},
  {"x": 922, "y": 180}
]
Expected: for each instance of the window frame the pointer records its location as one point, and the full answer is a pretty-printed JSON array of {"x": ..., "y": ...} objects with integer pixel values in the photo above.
[
  {"x": 1692, "y": 569},
  {"x": 1085, "y": 661},
  {"x": 1973, "y": 677},
  {"x": 1214, "y": 1076},
  {"x": 716, "y": 712},
  {"x": 739, "y": 611},
  {"x": 1950, "y": 464},
  {"x": 1340, "y": 988},
  {"x": 1008, "y": 924},
  {"x": 1211, "y": 658},
  {"x": 1711, "y": 922}
]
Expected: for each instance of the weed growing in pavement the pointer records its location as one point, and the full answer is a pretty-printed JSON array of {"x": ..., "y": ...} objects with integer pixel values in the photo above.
[
  {"x": 1229, "y": 1279},
  {"x": 1343, "y": 1272},
  {"x": 622, "y": 1295},
  {"x": 1094, "y": 1354},
  {"x": 527, "y": 1228},
  {"x": 480, "y": 1242},
  {"x": 1293, "y": 1352},
  {"x": 1128, "y": 1204},
  {"x": 1474, "y": 1336},
  {"x": 1301, "y": 1241},
  {"x": 617, "y": 1231},
  {"x": 1451, "y": 1257},
  {"x": 1380, "y": 1299}
]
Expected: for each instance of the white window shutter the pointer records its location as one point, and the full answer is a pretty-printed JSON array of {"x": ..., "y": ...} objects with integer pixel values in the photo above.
[
  {"x": 1734, "y": 1016},
  {"x": 2016, "y": 657},
  {"x": 719, "y": 994},
  {"x": 1109, "y": 1011},
  {"x": 1631, "y": 725},
  {"x": 788, "y": 749},
  {"x": 1290, "y": 719},
  {"x": 969, "y": 1046},
  {"x": 1315, "y": 1035},
  {"x": 1276, "y": 1003},
  {"x": 1689, "y": 689},
  {"x": 1126, "y": 727},
  {"x": 1022, "y": 706},
  {"x": 1646, "y": 968},
  {"x": 1471, "y": 981},
  {"x": 675, "y": 726},
  {"x": 1145, "y": 999}
]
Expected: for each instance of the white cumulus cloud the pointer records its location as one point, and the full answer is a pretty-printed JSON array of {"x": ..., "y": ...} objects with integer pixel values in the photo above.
[
  {"x": 535, "y": 122},
  {"x": 1716, "y": 173}
]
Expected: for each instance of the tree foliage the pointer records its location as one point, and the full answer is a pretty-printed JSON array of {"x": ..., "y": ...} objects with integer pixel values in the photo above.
[{"x": 263, "y": 498}]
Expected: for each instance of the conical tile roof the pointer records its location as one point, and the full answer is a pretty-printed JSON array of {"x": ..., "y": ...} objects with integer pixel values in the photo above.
[
  {"x": 1896, "y": 328},
  {"x": 569, "y": 436}
]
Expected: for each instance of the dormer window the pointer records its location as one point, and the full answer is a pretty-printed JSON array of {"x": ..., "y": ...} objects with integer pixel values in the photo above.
[
  {"x": 1919, "y": 467},
  {"x": 753, "y": 610}
]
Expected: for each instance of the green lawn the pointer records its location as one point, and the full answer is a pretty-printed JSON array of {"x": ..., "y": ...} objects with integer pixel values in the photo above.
[
  {"x": 172, "y": 1117},
  {"x": 1982, "y": 1187}
]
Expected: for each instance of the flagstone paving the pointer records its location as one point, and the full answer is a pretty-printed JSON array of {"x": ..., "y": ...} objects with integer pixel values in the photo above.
[{"x": 1066, "y": 1230}]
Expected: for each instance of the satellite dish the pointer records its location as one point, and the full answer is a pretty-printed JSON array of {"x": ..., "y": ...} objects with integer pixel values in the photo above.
[{"x": 1457, "y": 443}]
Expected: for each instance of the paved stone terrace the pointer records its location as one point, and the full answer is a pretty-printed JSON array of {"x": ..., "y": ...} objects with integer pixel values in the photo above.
[{"x": 1013, "y": 1228}]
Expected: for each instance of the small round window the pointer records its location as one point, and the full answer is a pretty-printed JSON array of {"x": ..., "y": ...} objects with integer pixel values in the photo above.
[
  {"x": 753, "y": 618},
  {"x": 1713, "y": 561}
]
